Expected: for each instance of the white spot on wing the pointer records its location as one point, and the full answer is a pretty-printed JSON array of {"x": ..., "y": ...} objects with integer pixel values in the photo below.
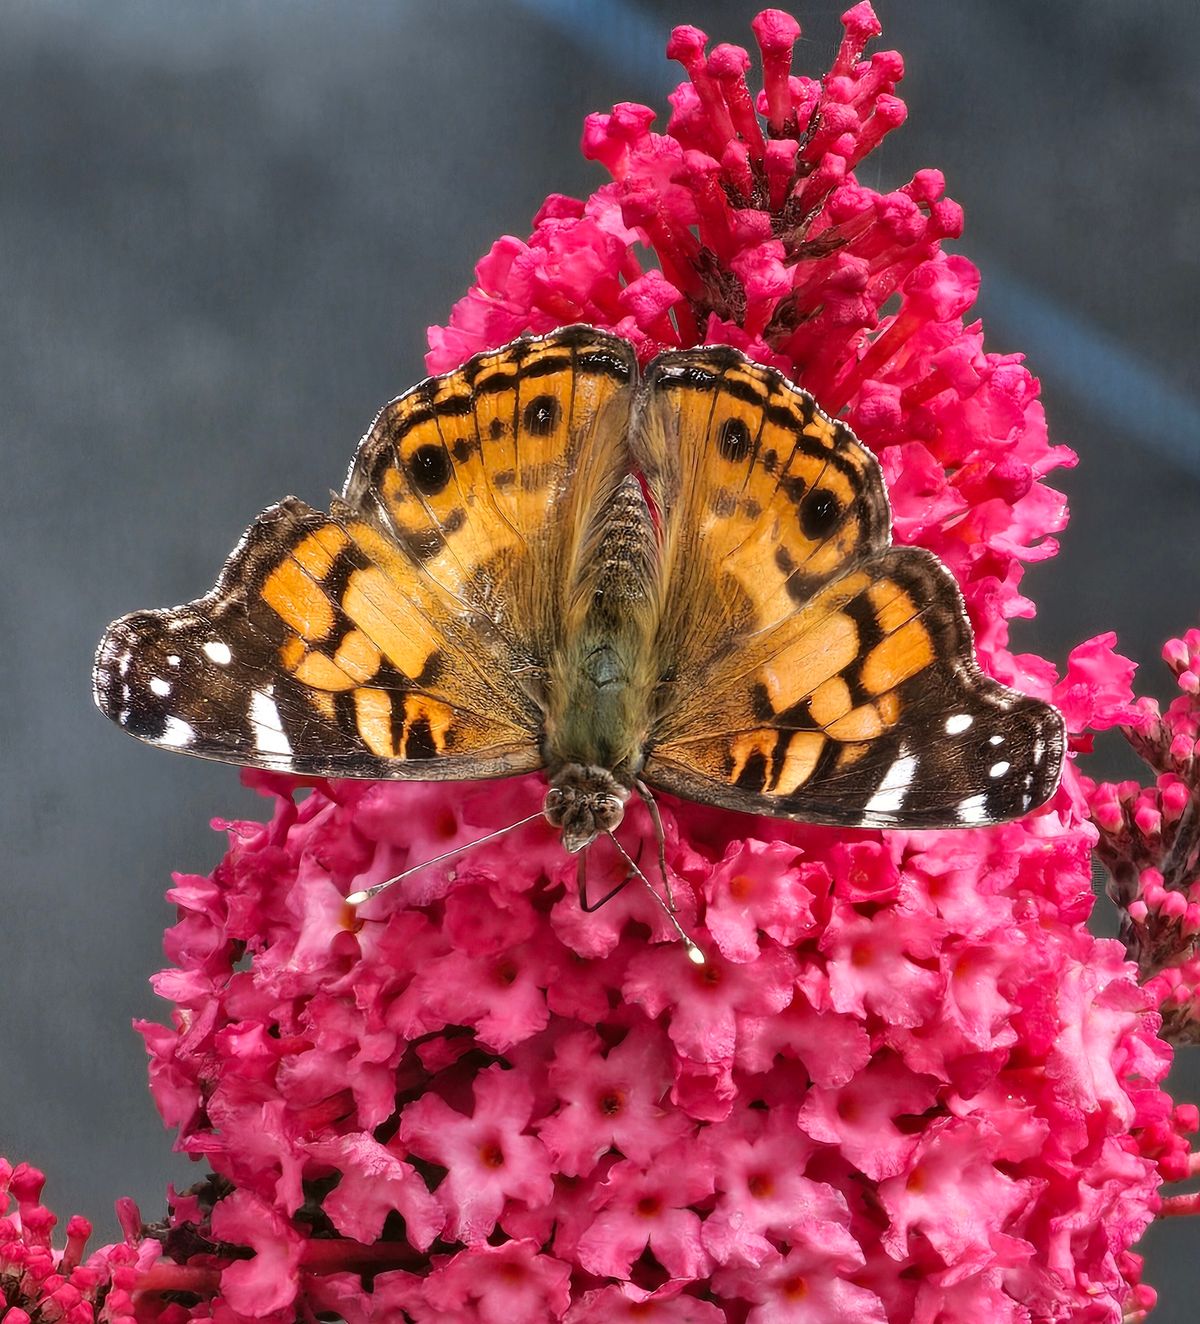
[
  {"x": 173, "y": 660},
  {"x": 957, "y": 724},
  {"x": 995, "y": 740},
  {"x": 999, "y": 769},
  {"x": 268, "y": 733},
  {"x": 217, "y": 650},
  {"x": 1039, "y": 748},
  {"x": 177, "y": 733},
  {"x": 972, "y": 810},
  {"x": 159, "y": 686},
  {"x": 890, "y": 796}
]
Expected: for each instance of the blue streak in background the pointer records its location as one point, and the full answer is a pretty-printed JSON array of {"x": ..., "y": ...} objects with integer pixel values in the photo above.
[
  {"x": 1095, "y": 368},
  {"x": 1077, "y": 358},
  {"x": 616, "y": 33}
]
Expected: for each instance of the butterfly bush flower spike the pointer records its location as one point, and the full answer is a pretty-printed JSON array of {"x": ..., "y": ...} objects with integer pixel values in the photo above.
[
  {"x": 906, "y": 1084},
  {"x": 42, "y": 1281},
  {"x": 1149, "y": 840}
]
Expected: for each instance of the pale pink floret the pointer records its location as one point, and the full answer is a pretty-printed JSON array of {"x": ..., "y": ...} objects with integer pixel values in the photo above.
[
  {"x": 487, "y": 1156},
  {"x": 609, "y": 1100},
  {"x": 626, "y": 1302},
  {"x": 650, "y": 1207},
  {"x": 763, "y": 1197},
  {"x": 808, "y": 1284}
]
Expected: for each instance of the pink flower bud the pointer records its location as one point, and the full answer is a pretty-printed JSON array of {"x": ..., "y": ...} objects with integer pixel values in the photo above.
[
  {"x": 1146, "y": 818},
  {"x": 861, "y": 24},
  {"x": 1176, "y": 654},
  {"x": 78, "y": 1232},
  {"x": 1174, "y": 905},
  {"x": 1174, "y": 794},
  {"x": 26, "y": 1184}
]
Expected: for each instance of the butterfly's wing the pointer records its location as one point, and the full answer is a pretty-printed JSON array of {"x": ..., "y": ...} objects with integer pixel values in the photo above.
[
  {"x": 810, "y": 669},
  {"x": 403, "y": 635},
  {"x": 319, "y": 652}
]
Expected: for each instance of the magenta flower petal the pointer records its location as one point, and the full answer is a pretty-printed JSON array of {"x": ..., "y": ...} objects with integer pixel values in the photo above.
[
  {"x": 267, "y": 1282},
  {"x": 373, "y": 1184},
  {"x": 754, "y": 890}
]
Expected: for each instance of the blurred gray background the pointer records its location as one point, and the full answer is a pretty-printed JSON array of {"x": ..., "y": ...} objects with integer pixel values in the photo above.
[{"x": 224, "y": 229}]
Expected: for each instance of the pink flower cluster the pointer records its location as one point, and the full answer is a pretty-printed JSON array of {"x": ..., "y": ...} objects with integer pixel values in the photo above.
[
  {"x": 906, "y": 1085},
  {"x": 1149, "y": 839},
  {"x": 763, "y": 239},
  {"x": 39, "y": 1283}
]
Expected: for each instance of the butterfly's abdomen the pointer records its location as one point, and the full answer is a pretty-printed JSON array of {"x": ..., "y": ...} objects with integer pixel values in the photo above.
[{"x": 601, "y": 682}]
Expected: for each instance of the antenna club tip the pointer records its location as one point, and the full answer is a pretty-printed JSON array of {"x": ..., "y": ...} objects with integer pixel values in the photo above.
[
  {"x": 357, "y": 898},
  {"x": 695, "y": 955}
]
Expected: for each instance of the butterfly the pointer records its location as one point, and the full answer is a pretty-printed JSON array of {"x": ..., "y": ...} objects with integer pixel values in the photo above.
[{"x": 681, "y": 580}]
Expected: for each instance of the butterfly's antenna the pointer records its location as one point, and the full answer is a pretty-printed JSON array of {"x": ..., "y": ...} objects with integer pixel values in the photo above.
[
  {"x": 357, "y": 898},
  {"x": 695, "y": 955}
]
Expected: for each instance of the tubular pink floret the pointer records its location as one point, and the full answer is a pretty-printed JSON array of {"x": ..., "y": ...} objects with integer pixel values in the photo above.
[
  {"x": 728, "y": 64},
  {"x": 861, "y": 24},
  {"x": 777, "y": 33},
  {"x": 687, "y": 46}
]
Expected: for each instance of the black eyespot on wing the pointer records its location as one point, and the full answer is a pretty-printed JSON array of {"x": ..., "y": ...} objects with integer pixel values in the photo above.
[
  {"x": 541, "y": 415},
  {"x": 734, "y": 439},
  {"x": 820, "y": 512},
  {"x": 430, "y": 468}
]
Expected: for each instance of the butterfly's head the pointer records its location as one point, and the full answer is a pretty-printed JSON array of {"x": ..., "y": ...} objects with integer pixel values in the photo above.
[{"x": 583, "y": 802}]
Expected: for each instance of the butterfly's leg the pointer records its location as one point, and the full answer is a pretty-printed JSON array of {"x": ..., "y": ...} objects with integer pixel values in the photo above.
[
  {"x": 644, "y": 791},
  {"x": 581, "y": 879}
]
